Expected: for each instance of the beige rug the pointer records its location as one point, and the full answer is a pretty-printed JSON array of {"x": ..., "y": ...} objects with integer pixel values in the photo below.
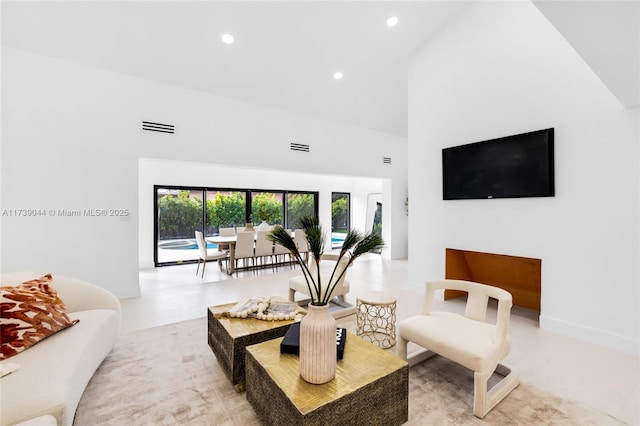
[{"x": 168, "y": 375}]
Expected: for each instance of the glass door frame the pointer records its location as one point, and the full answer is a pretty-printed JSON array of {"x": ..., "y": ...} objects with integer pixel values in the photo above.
[{"x": 205, "y": 191}]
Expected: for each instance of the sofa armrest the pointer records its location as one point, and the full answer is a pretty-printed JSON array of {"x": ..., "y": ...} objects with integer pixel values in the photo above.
[
  {"x": 80, "y": 295},
  {"x": 77, "y": 295}
]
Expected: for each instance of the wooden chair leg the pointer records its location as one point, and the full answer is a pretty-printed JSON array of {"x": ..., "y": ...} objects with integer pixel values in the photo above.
[{"x": 198, "y": 268}]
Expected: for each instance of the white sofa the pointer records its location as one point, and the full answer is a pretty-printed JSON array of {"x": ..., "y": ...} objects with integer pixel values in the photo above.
[{"x": 54, "y": 372}]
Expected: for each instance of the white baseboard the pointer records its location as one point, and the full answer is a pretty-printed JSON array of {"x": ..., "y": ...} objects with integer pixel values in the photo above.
[{"x": 598, "y": 337}]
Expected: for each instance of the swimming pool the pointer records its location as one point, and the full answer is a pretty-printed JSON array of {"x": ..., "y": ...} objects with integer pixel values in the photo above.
[
  {"x": 337, "y": 239},
  {"x": 184, "y": 245}
]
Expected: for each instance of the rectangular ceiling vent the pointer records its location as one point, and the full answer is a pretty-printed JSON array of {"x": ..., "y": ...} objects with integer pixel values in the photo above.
[
  {"x": 386, "y": 160},
  {"x": 299, "y": 147},
  {"x": 158, "y": 127}
]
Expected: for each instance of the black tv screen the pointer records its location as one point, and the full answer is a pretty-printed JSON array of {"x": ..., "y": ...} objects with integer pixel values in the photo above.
[{"x": 508, "y": 167}]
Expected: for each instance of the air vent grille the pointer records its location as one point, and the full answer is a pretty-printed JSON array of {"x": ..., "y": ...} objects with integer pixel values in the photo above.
[
  {"x": 386, "y": 160},
  {"x": 299, "y": 147},
  {"x": 158, "y": 127}
]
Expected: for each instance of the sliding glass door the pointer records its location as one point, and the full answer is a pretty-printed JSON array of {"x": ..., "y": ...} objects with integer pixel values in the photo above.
[
  {"x": 180, "y": 211},
  {"x": 267, "y": 207},
  {"x": 178, "y": 215},
  {"x": 225, "y": 209},
  {"x": 300, "y": 204}
]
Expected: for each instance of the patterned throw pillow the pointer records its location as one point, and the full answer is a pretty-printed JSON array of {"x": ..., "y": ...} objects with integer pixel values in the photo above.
[{"x": 30, "y": 312}]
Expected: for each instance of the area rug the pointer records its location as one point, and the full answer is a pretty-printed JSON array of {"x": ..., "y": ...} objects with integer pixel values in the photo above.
[{"x": 167, "y": 375}]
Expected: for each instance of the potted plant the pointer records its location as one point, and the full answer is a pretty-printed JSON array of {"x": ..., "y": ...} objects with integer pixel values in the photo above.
[{"x": 318, "y": 327}]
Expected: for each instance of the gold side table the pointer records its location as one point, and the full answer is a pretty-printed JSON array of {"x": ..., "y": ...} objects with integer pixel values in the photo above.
[
  {"x": 371, "y": 388},
  {"x": 228, "y": 338},
  {"x": 376, "y": 318}
]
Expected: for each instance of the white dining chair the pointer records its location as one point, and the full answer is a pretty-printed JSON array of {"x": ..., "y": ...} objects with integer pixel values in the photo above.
[
  {"x": 205, "y": 256},
  {"x": 264, "y": 248},
  {"x": 281, "y": 253},
  {"x": 300, "y": 238},
  {"x": 244, "y": 249},
  {"x": 226, "y": 232}
]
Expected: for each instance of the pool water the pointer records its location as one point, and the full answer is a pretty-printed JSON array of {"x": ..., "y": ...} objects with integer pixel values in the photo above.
[
  {"x": 337, "y": 240},
  {"x": 184, "y": 245}
]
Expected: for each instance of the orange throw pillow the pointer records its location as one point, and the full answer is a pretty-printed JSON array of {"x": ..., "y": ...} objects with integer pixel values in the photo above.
[{"x": 30, "y": 312}]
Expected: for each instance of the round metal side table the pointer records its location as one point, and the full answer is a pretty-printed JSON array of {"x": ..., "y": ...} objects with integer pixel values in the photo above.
[{"x": 376, "y": 318}]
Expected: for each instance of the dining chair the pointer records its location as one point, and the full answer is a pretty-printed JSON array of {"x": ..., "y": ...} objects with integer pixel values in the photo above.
[
  {"x": 281, "y": 253},
  {"x": 226, "y": 232},
  {"x": 264, "y": 248},
  {"x": 244, "y": 249},
  {"x": 300, "y": 238},
  {"x": 205, "y": 256}
]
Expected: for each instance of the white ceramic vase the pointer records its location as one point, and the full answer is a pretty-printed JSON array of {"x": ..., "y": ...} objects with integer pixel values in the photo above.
[{"x": 318, "y": 350}]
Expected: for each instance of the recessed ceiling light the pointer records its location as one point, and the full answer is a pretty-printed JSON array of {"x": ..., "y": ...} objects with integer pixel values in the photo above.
[
  {"x": 227, "y": 38},
  {"x": 338, "y": 75},
  {"x": 392, "y": 21}
]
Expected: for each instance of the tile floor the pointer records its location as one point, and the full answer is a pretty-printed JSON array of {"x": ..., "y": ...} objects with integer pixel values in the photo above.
[{"x": 603, "y": 379}]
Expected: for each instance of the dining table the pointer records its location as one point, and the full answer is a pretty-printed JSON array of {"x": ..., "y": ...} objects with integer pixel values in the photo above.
[{"x": 225, "y": 241}]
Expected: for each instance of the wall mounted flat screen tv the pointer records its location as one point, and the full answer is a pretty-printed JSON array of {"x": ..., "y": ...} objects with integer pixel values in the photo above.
[{"x": 508, "y": 167}]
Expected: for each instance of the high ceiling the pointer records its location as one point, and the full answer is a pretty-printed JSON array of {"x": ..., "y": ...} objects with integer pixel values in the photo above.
[
  {"x": 284, "y": 54},
  {"x": 607, "y": 36}
]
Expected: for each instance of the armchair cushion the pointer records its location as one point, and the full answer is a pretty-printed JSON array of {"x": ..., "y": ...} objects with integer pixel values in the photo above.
[
  {"x": 462, "y": 340},
  {"x": 299, "y": 284},
  {"x": 327, "y": 264}
]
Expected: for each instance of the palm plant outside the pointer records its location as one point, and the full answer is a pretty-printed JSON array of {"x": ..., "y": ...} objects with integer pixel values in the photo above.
[{"x": 355, "y": 245}]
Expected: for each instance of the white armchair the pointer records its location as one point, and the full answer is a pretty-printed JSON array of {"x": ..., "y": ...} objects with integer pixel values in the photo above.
[
  {"x": 327, "y": 263},
  {"x": 466, "y": 339}
]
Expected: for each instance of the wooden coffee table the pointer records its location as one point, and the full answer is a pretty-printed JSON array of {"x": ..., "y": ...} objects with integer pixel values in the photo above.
[
  {"x": 228, "y": 337},
  {"x": 371, "y": 387}
]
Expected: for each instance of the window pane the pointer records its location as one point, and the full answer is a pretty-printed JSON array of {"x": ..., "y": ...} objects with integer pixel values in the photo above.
[
  {"x": 179, "y": 216},
  {"x": 298, "y": 206},
  {"x": 340, "y": 214},
  {"x": 266, "y": 206},
  {"x": 225, "y": 209}
]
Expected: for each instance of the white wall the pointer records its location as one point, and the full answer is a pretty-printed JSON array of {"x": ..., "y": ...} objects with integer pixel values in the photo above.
[
  {"x": 72, "y": 138},
  {"x": 502, "y": 69},
  {"x": 163, "y": 172}
]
